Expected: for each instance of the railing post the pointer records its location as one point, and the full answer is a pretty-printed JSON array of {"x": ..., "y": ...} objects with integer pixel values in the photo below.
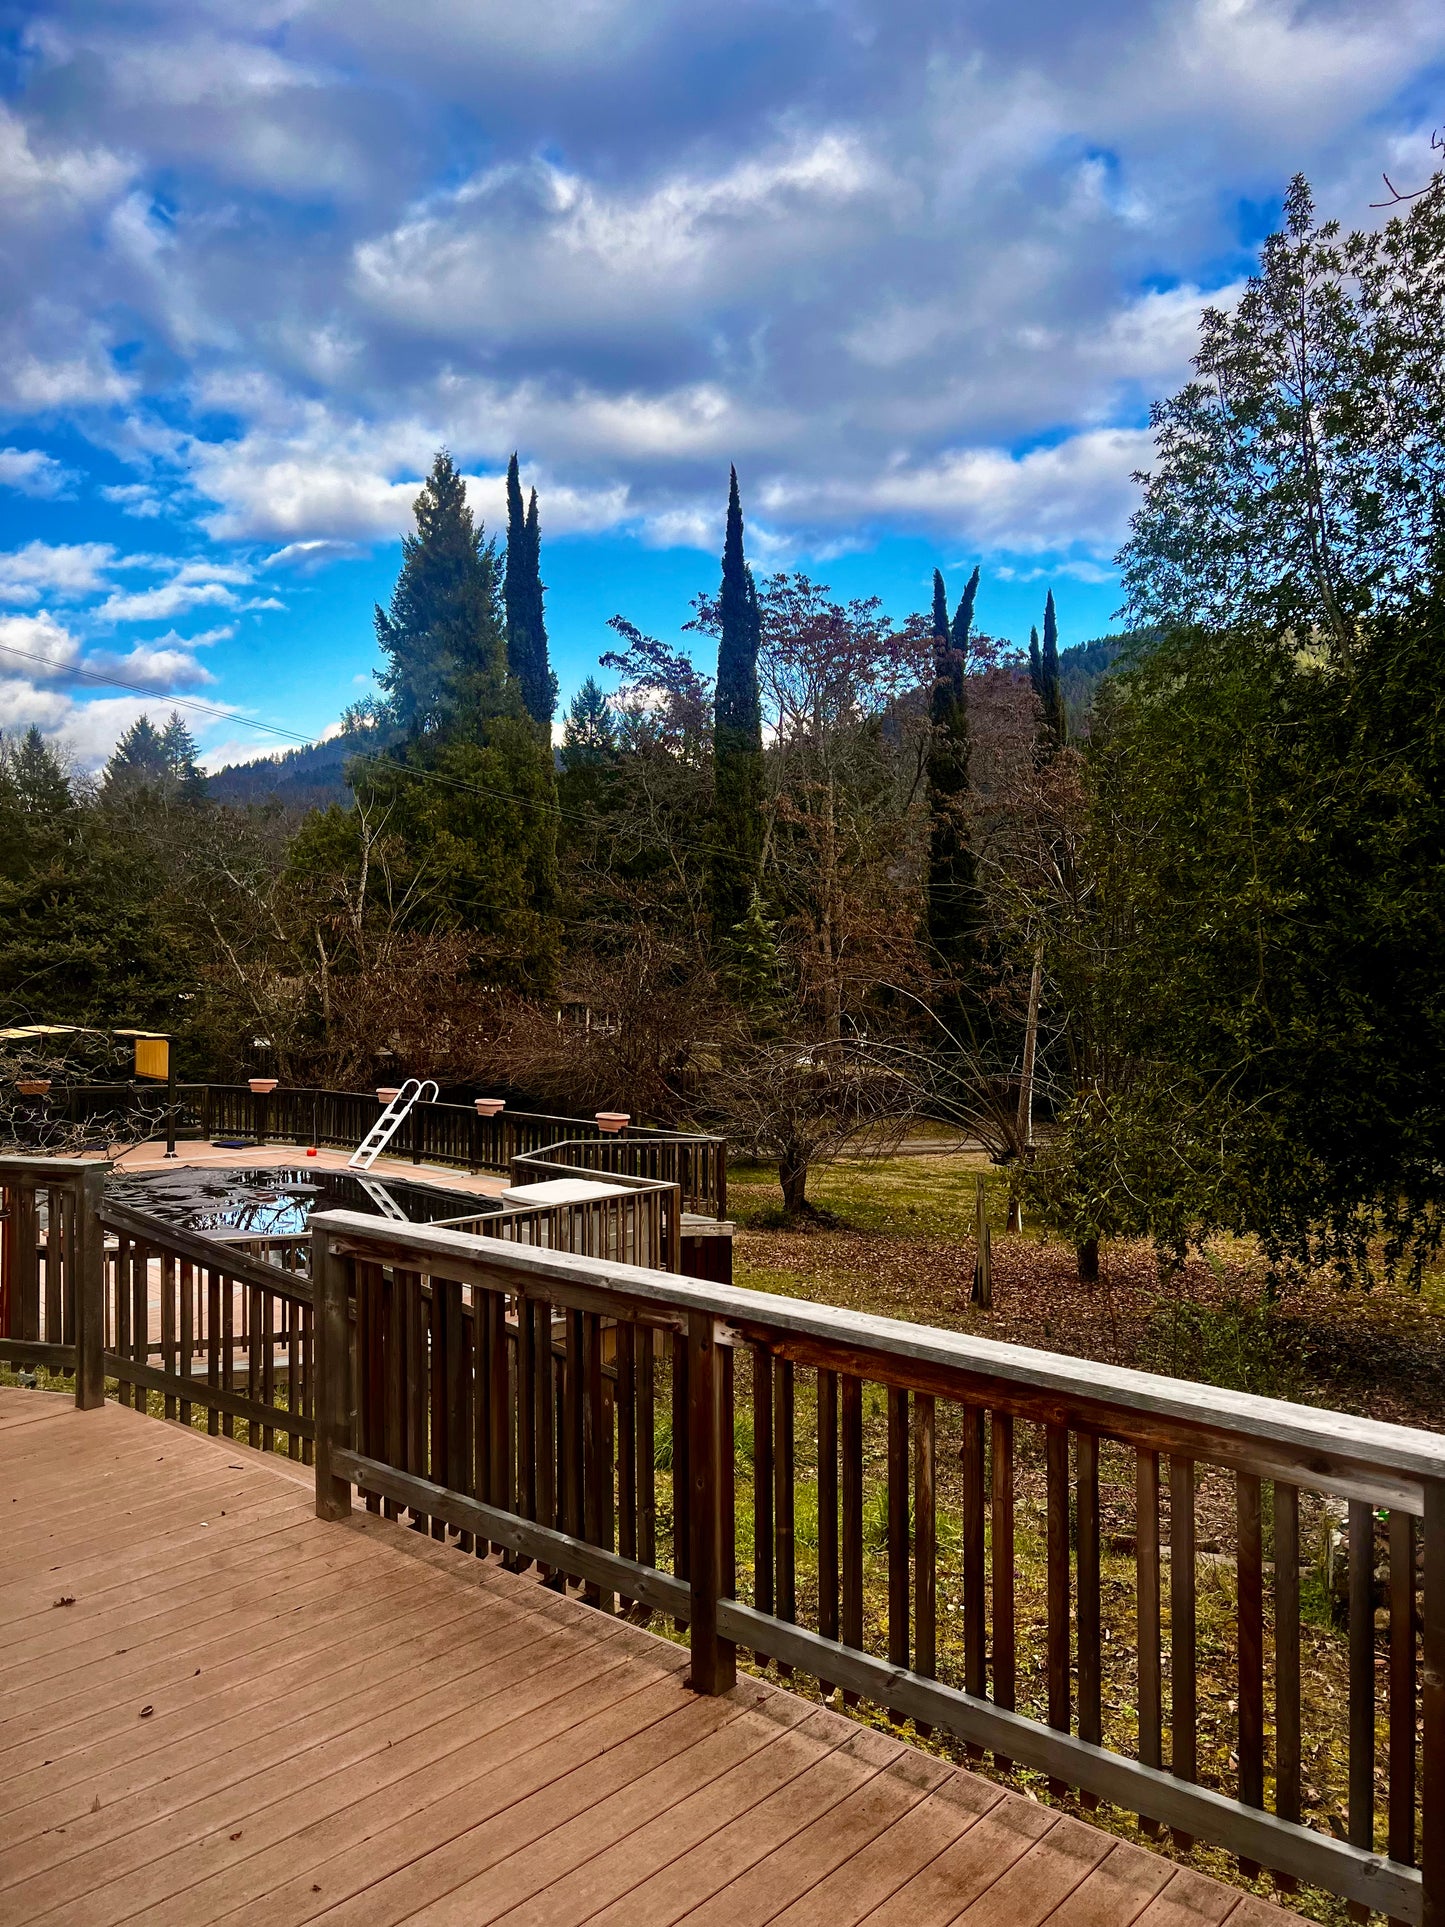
[
  {"x": 89, "y": 1261},
  {"x": 709, "y": 1434},
  {"x": 333, "y": 1375},
  {"x": 1433, "y": 1748}
]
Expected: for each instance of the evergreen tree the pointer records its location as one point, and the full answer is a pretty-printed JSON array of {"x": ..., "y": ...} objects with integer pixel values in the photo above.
[
  {"x": 178, "y": 746},
  {"x": 755, "y": 966},
  {"x": 1051, "y": 694},
  {"x": 443, "y": 633},
  {"x": 140, "y": 761},
  {"x": 955, "y": 904},
  {"x": 1036, "y": 664},
  {"x": 522, "y": 594},
  {"x": 737, "y": 734},
  {"x": 590, "y": 736},
  {"x": 963, "y": 618},
  {"x": 475, "y": 827}
]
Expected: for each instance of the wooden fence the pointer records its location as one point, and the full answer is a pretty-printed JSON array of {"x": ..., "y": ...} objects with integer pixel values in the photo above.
[
  {"x": 448, "y": 1134},
  {"x": 592, "y": 1418}
]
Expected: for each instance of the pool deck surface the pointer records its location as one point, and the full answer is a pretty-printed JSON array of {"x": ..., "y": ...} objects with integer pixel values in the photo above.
[{"x": 270, "y": 1157}]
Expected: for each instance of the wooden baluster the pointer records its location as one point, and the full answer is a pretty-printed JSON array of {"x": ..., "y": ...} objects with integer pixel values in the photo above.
[
  {"x": 851, "y": 1454},
  {"x": 500, "y": 1359},
  {"x": 1249, "y": 1561},
  {"x": 827, "y": 1504},
  {"x": 709, "y": 1427},
  {"x": 1362, "y": 1680},
  {"x": 168, "y": 1326},
  {"x": 228, "y": 1349},
  {"x": 55, "y": 1257},
  {"x": 1086, "y": 1478},
  {"x": 626, "y": 1445},
  {"x": 122, "y": 1293},
  {"x": 307, "y": 1404},
  {"x": 1056, "y": 1458},
  {"x": 1287, "y": 1751},
  {"x": 596, "y": 1455},
  {"x": 526, "y": 1373},
  {"x": 573, "y": 1398},
  {"x": 439, "y": 1434},
  {"x": 763, "y": 1486},
  {"x": 1005, "y": 1668},
  {"x": 369, "y": 1386},
  {"x": 925, "y": 1537},
  {"x": 545, "y": 1409},
  {"x": 784, "y": 1489},
  {"x": 393, "y": 1339},
  {"x": 1401, "y": 1843},
  {"x": 185, "y": 1361},
  {"x": 140, "y": 1316},
  {"x": 1147, "y": 1596},
  {"x": 1183, "y": 1680},
  {"x": 899, "y": 1546},
  {"x": 293, "y": 1376},
  {"x": 975, "y": 1620},
  {"x": 727, "y": 1475},
  {"x": 413, "y": 1318},
  {"x": 647, "y": 1449},
  {"x": 681, "y": 1460},
  {"x": 268, "y": 1365},
  {"x": 215, "y": 1368},
  {"x": 253, "y": 1362}
]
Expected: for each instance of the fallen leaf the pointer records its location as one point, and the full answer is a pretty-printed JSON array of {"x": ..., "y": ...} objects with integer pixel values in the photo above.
[
  {"x": 95, "y": 1804},
  {"x": 146, "y": 1712},
  {"x": 66, "y": 1599},
  {"x": 235, "y": 1836}
]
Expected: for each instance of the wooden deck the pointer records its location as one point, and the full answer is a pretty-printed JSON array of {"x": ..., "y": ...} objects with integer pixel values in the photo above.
[{"x": 214, "y": 1707}]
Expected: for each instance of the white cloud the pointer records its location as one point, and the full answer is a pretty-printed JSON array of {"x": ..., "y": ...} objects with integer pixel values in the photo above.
[
  {"x": 153, "y": 663},
  {"x": 66, "y": 570},
  {"x": 136, "y": 498},
  {"x": 167, "y": 599},
  {"x": 30, "y": 471},
  {"x": 22, "y": 638}
]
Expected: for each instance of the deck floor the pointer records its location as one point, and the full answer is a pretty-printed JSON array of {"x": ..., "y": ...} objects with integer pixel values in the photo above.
[{"x": 214, "y": 1707}]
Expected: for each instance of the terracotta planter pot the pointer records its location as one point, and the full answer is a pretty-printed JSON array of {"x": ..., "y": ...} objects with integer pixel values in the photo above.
[
  {"x": 32, "y": 1086},
  {"x": 262, "y": 1086},
  {"x": 489, "y": 1106},
  {"x": 612, "y": 1121},
  {"x": 386, "y": 1092}
]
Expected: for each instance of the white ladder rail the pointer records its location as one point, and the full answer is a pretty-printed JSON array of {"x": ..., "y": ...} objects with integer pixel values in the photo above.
[
  {"x": 412, "y": 1092},
  {"x": 385, "y": 1203}
]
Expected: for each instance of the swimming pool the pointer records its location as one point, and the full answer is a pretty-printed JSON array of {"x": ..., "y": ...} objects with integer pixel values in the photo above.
[{"x": 259, "y": 1203}]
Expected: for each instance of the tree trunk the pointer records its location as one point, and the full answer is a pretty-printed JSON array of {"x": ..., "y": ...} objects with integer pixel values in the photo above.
[
  {"x": 793, "y": 1176},
  {"x": 1089, "y": 1262}
]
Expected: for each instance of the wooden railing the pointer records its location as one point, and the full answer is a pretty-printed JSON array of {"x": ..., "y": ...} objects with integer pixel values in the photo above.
[
  {"x": 447, "y": 1134},
  {"x": 51, "y": 1306},
  {"x": 640, "y": 1224},
  {"x": 914, "y": 1517}
]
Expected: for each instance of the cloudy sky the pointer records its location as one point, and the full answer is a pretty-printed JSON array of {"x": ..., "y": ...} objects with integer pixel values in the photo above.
[{"x": 916, "y": 268}]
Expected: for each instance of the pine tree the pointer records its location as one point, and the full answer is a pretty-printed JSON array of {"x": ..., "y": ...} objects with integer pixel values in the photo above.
[
  {"x": 1050, "y": 692},
  {"x": 755, "y": 966},
  {"x": 590, "y": 735},
  {"x": 179, "y": 749},
  {"x": 35, "y": 780},
  {"x": 737, "y": 735},
  {"x": 955, "y": 906},
  {"x": 443, "y": 633},
  {"x": 139, "y": 761},
  {"x": 522, "y": 594}
]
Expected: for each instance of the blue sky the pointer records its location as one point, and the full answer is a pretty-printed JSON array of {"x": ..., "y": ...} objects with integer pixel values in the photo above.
[{"x": 917, "y": 270}]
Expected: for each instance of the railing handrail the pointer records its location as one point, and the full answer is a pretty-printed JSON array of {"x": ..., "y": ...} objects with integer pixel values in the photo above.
[
  {"x": 1336, "y": 1450},
  {"x": 201, "y": 1250}
]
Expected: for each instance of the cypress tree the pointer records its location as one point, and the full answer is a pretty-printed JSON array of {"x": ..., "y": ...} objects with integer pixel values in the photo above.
[
  {"x": 1050, "y": 693},
  {"x": 955, "y": 905},
  {"x": 1036, "y": 664},
  {"x": 737, "y": 735},
  {"x": 963, "y": 618},
  {"x": 522, "y": 596}
]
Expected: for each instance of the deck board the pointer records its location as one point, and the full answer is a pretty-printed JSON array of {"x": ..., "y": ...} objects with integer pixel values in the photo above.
[{"x": 354, "y": 1725}]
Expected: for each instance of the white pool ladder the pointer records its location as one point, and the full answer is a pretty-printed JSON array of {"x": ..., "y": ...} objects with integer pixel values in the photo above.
[{"x": 389, "y": 1123}]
